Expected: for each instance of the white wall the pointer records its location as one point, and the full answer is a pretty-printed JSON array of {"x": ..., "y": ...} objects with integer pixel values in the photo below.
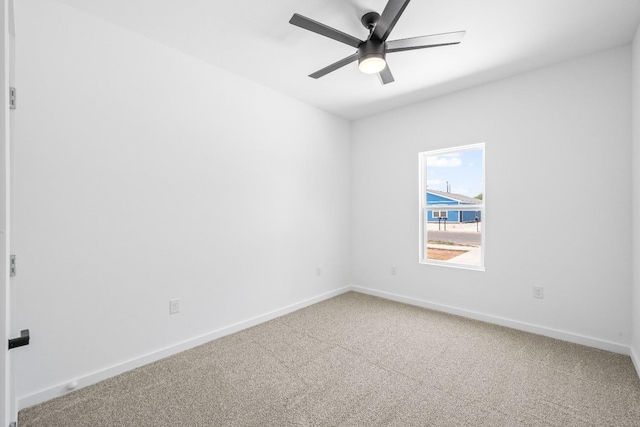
[
  {"x": 557, "y": 140},
  {"x": 141, "y": 175},
  {"x": 636, "y": 199}
]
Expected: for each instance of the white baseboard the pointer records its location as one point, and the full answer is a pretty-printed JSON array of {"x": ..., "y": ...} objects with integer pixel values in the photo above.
[
  {"x": 515, "y": 324},
  {"x": 61, "y": 389},
  {"x": 635, "y": 359},
  {"x": 103, "y": 374}
]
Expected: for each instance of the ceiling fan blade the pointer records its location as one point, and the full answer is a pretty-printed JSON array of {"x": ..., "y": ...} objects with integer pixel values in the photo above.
[
  {"x": 385, "y": 76},
  {"x": 326, "y": 70},
  {"x": 423, "y": 42},
  {"x": 316, "y": 27},
  {"x": 392, "y": 12}
]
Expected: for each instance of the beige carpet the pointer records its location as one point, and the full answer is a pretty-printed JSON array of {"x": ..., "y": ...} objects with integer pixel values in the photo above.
[{"x": 357, "y": 360}]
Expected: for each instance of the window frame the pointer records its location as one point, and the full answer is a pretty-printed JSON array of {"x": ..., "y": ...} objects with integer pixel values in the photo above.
[{"x": 423, "y": 208}]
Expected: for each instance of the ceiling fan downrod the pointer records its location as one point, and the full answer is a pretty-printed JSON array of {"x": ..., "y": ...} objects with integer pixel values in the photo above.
[{"x": 369, "y": 20}]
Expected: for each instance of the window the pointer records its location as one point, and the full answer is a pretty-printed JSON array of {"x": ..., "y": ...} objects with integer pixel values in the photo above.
[{"x": 452, "y": 207}]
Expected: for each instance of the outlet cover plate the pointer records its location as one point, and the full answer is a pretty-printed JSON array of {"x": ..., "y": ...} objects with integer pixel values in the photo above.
[
  {"x": 538, "y": 292},
  {"x": 174, "y": 306}
]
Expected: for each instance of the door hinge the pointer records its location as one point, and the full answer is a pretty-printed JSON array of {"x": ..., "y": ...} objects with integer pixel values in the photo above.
[
  {"x": 12, "y": 98},
  {"x": 12, "y": 266}
]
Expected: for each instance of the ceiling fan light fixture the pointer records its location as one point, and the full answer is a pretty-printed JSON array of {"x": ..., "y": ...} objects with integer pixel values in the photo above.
[
  {"x": 372, "y": 64},
  {"x": 371, "y": 57}
]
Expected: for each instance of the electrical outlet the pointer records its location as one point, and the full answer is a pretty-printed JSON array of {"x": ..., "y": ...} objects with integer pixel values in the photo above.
[
  {"x": 538, "y": 292},
  {"x": 174, "y": 306},
  {"x": 318, "y": 271},
  {"x": 394, "y": 270}
]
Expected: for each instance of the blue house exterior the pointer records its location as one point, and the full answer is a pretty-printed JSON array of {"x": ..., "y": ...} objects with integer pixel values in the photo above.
[{"x": 443, "y": 205}]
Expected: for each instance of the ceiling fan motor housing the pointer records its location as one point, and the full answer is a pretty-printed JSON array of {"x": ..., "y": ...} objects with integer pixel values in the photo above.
[{"x": 371, "y": 49}]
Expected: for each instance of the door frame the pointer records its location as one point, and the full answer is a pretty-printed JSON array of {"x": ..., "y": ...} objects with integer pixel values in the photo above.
[{"x": 7, "y": 402}]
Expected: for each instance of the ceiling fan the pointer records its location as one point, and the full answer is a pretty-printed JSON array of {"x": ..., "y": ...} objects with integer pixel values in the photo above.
[{"x": 371, "y": 54}]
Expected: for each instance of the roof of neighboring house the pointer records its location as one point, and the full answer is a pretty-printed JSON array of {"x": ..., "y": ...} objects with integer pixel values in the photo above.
[{"x": 457, "y": 197}]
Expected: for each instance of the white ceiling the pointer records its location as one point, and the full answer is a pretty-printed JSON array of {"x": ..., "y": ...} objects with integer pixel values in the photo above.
[{"x": 253, "y": 38}]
